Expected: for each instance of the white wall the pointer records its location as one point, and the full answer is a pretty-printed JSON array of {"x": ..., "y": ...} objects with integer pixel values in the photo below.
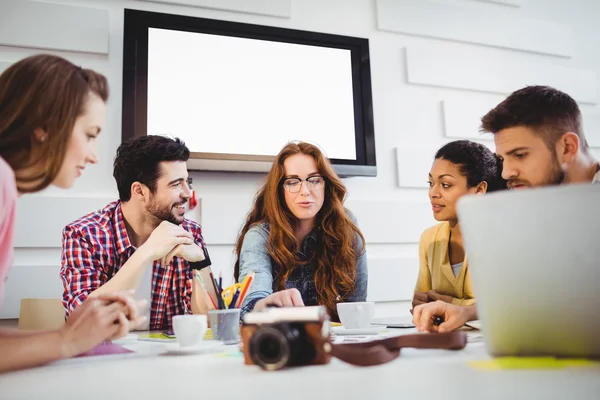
[{"x": 436, "y": 68}]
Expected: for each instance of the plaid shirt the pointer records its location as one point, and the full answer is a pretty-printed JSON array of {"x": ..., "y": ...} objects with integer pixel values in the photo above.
[{"x": 96, "y": 246}]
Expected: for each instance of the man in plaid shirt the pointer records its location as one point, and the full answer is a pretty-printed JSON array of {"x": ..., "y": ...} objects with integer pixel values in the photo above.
[{"x": 141, "y": 240}]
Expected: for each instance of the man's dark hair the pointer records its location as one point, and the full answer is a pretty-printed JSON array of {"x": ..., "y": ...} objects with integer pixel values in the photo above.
[
  {"x": 138, "y": 160},
  {"x": 550, "y": 113},
  {"x": 476, "y": 162}
]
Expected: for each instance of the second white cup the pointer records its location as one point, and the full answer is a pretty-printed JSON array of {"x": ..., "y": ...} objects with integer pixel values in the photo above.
[
  {"x": 356, "y": 315},
  {"x": 189, "y": 329}
]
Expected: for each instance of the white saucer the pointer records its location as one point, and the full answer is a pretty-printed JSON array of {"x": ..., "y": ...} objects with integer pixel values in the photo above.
[
  {"x": 373, "y": 330},
  {"x": 204, "y": 346},
  {"x": 131, "y": 337}
]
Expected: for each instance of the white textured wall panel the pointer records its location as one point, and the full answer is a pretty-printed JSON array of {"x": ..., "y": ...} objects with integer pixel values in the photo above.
[
  {"x": 451, "y": 67},
  {"x": 41, "y": 281},
  {"x": 3, "y": 66},
  {"x": 591, "y": 127},
  {"x": 275, "y": 8},
  {"x": 414, "y": 164},
  {"x": 462, "y": 118},
  {"x": 461, "y": 23},
  {"x": 53, "y": 26},
  {"x": 392, "y": 279},
  {"x": 392, "y": 221},
  {"x": 41, "y": 219},
  {"x": 223, "y": 217}
]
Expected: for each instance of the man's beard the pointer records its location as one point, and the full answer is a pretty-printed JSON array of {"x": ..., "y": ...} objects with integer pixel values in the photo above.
[
  {"x": 165, "y": 212},
  {"x": 555, "y": 176}
]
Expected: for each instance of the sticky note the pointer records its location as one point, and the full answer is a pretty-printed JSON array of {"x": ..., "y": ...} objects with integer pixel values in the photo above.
[
  {"x": 159, "y": 337},
  {"x": 531, "y": 363}
]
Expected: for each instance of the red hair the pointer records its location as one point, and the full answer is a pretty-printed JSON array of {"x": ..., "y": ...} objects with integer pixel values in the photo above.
[{"x": 337, "y": 250}]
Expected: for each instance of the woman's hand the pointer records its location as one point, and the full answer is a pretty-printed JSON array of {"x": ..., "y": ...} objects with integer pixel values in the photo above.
[
  {"x": 100, "y": 319},
  {"x": 283, "y": 298}
]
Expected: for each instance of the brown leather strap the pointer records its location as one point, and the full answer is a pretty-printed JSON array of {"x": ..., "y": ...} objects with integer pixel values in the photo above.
[{"x": 385, "y": 350}]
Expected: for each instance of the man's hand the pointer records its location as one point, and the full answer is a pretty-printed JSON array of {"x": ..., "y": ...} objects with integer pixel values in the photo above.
[
  {"x": 419, "y": 298},
  {"x": 454, "y": 317},
  {"x": 283, "y": 298},
  {"x": 165, "y": 238},
  {"x": 190, "y": 252},
  {"x": 434, "y": 295}
]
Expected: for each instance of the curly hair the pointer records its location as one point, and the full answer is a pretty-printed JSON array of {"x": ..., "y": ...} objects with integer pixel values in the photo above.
[
  {"x": 476, "y": 162},
  {"x": 337, "y": 249}
]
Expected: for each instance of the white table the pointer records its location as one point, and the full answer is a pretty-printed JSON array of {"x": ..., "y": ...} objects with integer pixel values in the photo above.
[{"x": 417, "y": 374}]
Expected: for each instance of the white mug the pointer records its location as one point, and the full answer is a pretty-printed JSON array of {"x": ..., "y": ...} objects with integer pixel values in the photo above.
[
  {"x": 356, "y": 315},
  {"x": 189, "y": 329}
]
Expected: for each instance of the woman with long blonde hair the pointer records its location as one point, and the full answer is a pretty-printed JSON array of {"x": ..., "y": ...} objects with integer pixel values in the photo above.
[{"x": 303, "y": 245}]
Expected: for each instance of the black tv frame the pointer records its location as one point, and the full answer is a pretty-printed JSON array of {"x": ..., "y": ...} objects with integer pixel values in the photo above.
[{"x": 135, "y": 85}]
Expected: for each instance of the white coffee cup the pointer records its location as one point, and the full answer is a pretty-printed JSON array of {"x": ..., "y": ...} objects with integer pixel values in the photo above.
[
  {"x": 189, "y": 329},
  {"x": 356, "y": 315}
]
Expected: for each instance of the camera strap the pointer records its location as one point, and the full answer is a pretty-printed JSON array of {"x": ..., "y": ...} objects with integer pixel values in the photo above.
[{"x": 385, "y": 350}]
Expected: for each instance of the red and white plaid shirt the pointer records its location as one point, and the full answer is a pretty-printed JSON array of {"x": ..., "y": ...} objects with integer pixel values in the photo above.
[{"x": 96, "y": 246}]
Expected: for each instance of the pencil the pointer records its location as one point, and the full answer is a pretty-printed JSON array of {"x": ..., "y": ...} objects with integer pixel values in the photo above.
[
  {"x": 234, "y": 298},
  {"x": 247, "y": 283},
  {"x": 219, "y": 297},
  {"x": 206, "y": 295}
]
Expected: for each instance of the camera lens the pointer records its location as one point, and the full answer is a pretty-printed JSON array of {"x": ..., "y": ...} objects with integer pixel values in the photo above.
[{"x": 273, "y": 347}]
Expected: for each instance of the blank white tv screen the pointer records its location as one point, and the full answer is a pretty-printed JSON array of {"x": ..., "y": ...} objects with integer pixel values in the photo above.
[{"x": 229, "y": 95}]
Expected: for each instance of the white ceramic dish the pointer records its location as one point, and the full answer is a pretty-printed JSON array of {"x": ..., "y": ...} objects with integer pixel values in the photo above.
[{"x": 202, "y": 347}]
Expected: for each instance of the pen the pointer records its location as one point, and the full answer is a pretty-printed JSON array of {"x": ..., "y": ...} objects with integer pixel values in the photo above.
[{"x": 234, "y": 298}]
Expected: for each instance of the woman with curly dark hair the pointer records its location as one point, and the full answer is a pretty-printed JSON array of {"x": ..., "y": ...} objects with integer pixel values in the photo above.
[
  {"x": 302, "y": 244},
  {"x": 459, "y": 168}
]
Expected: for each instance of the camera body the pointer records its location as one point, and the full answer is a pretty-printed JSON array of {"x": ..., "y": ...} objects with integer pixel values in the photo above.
[{"x": 277, "y": 338}]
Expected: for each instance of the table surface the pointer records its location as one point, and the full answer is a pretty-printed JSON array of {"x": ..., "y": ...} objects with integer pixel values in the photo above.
[{"x": 152, "y": 373}]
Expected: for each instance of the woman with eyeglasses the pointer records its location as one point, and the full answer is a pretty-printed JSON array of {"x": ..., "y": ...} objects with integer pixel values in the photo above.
[{"x": 303, "y": 245}]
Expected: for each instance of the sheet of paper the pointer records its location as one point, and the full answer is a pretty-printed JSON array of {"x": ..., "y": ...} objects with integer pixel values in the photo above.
[
  {"x": 355, "y": 338},
  {"x": 474, "y": 324}
]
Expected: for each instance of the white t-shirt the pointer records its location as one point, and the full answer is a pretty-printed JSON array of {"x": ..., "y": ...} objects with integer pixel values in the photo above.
[
  {"x": 144, "y": 292},
  {"x": 456, "y": 268}
]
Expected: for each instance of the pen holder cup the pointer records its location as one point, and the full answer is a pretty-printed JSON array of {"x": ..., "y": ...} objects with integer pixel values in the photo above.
[{"x": 225, "y": 325}]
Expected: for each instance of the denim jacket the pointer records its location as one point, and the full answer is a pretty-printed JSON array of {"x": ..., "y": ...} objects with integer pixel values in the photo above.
[{"x": 254, "y": 256}]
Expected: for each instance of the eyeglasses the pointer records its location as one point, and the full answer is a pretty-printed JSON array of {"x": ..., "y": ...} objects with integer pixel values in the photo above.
[{"x": 294, "y": 185}]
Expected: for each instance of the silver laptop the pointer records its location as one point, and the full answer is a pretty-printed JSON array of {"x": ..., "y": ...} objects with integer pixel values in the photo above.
[{"x": 534, "y": 257}]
